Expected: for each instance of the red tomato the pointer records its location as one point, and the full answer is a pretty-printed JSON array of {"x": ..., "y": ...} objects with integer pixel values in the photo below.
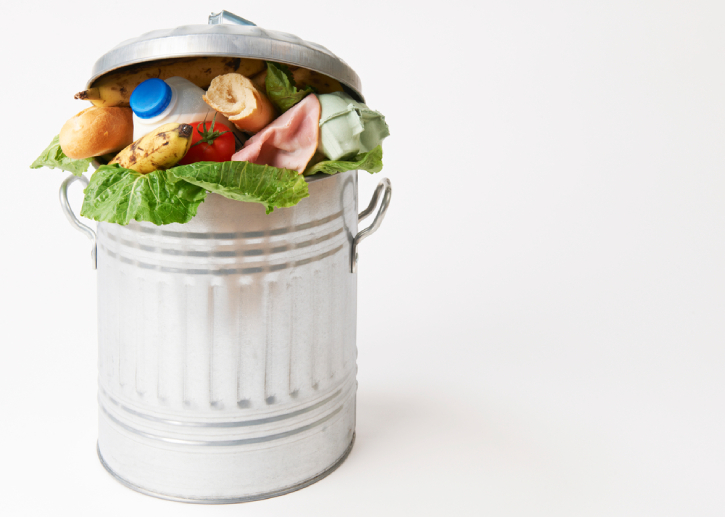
[{"x": 208, "y": 145}]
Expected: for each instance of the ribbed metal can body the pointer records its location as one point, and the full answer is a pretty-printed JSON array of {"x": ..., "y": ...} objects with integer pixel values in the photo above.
[{"x": 227, "y": 347}]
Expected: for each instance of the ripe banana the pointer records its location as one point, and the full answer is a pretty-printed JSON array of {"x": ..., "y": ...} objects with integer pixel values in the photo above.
[
  {"x": 114, "y": 88},
  {"x": 160, "y": 149},
  {"x": 322, "y": 83}
]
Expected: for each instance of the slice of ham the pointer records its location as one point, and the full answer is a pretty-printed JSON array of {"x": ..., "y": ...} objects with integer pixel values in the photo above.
[{"x": 289, "y": 141}]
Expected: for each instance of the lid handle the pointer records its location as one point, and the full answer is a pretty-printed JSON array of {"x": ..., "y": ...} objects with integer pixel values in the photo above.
[{"x": 227, "y": 17}]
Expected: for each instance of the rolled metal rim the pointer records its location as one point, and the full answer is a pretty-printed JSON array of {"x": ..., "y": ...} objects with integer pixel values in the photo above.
[{"x": 233, "y": 500}]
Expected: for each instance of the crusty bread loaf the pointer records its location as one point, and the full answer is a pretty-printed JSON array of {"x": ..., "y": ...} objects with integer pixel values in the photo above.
[
  {"x": 96, "y": 131},
  {"x": 235, "y": 97}
]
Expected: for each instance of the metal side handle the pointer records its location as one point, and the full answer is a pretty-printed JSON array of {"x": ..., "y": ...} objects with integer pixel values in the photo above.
[
  {"x": 72, "y": 219},
  {"x": 385, "y": 188}
]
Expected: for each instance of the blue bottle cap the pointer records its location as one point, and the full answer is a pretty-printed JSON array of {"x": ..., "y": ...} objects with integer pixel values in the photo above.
[{"x": 150, "y": 98}]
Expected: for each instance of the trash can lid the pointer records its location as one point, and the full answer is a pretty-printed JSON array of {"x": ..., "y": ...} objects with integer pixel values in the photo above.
[{"x": 232, "y": 36}]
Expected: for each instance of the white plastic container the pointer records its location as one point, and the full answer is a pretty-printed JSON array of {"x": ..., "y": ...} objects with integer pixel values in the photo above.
[{"x": 184, "y": 106}]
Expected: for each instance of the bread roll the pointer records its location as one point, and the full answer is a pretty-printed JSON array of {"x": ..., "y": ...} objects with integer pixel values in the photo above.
[
  {"x": 96, "y": 131},
  {"x": 235, "y": 97}
]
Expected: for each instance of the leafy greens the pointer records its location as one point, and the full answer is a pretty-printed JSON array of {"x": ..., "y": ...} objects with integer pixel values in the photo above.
[
  {"x": 281, "y": 88},
  {"x": 246, "y": 181},
  {"x": 118, "y": 195},
  {"x": 371, "y": 161},
  {"x": 54, "y": 158}
]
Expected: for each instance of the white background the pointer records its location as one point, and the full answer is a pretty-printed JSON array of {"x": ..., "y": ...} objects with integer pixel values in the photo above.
[{"x": 541, "y": 321}]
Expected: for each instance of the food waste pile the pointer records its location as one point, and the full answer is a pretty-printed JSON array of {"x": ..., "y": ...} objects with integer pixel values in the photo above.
[{"x": 167, "y": 133}]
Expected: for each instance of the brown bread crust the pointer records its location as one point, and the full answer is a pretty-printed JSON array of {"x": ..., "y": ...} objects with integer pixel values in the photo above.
[
  {"x": 96, "y": 131},
  {"x": 235, "y": 97}
]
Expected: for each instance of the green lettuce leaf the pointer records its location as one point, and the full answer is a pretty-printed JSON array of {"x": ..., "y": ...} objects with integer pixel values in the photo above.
[
  {"x": 118, "y": 195},
  {"x": 371, "y": 161},
  {"x": 54, "y": 158},
  {"x": 244, "y": 181},
  {"x": 281, "y": 88}
]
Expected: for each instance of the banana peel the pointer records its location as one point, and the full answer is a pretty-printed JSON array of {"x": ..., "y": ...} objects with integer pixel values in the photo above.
[
  {"x": 323, "y": 84},
  {"x": 158, "y": 150},
  {"x": 115, "y": 88}
]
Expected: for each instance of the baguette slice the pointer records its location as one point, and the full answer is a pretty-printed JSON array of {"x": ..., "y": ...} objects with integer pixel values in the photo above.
[{"x": 235, "y": 97}]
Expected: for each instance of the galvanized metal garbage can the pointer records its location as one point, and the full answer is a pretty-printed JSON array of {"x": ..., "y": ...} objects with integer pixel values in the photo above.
[{"x": 227, "y": 345}]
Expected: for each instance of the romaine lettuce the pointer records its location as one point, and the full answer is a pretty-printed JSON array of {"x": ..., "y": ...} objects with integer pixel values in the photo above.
[
  {"x": 54, "y": 158},
  {"x": 244, "y": 181},
  {"x": 118, "y": 195},
  {"x": 372, "y": 161}
]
